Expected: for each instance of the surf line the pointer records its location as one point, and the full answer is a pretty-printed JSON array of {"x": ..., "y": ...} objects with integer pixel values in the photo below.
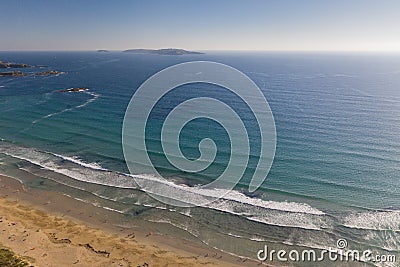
[{"x": 94, "y": 98}]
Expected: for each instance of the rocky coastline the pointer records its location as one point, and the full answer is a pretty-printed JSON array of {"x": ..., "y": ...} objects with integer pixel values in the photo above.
[
  {"x": 50, "y": 72},
  {"x": 15, "y": 73},
  {"x": 7, "y": 65},
  {"x": 75, "y": 89}
]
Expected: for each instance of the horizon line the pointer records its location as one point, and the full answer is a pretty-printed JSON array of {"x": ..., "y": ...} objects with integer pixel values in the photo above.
[{"x": 205, "y": 50}]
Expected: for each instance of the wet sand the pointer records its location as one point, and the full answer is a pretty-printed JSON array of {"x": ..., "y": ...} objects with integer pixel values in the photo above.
[{"x": 50, "y": 229}]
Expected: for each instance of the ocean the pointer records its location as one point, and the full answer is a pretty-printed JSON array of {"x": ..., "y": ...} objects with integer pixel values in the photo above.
[{"x": 337, "y": 163}]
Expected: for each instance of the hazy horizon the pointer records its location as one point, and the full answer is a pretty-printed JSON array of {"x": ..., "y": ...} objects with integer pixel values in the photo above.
[
  {"x": 213, "y": 50},
  {"x": 44, "y": 25}
]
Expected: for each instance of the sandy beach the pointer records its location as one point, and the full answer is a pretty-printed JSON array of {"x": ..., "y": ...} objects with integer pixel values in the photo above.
[{"x": 49, "y": 229}]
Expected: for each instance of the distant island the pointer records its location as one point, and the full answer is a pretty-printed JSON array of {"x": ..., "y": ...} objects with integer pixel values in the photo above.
[
  {"x": 6, "y": 65},
  {"x": 102, "y": 51},
  {"x": 166, "y": 51}
]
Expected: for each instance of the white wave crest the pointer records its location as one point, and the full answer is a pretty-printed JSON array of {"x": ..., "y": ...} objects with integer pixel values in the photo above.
[
  {"x": 374, "y": 220},
  {"x": 290, "y": 214}
]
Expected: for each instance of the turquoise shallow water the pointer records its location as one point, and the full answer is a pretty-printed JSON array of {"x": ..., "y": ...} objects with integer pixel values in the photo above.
[{"x": 336, "y": 170}]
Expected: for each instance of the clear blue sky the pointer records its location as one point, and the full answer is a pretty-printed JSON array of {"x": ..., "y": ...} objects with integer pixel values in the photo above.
[{"x": 200, "y": 25}]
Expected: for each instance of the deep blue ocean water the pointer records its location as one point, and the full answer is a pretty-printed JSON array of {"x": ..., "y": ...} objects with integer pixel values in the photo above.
[{"x": 337, "y": 166}]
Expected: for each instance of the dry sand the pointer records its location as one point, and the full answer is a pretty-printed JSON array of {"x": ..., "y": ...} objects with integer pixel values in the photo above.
[{"x": 42, "y": 228}]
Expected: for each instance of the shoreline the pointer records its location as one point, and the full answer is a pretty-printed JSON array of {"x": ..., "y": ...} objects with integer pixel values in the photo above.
[{"x": 52, "y": 229}]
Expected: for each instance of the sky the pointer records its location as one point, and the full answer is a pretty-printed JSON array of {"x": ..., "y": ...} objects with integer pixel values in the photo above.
[{"x": 272, "y": 25}]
